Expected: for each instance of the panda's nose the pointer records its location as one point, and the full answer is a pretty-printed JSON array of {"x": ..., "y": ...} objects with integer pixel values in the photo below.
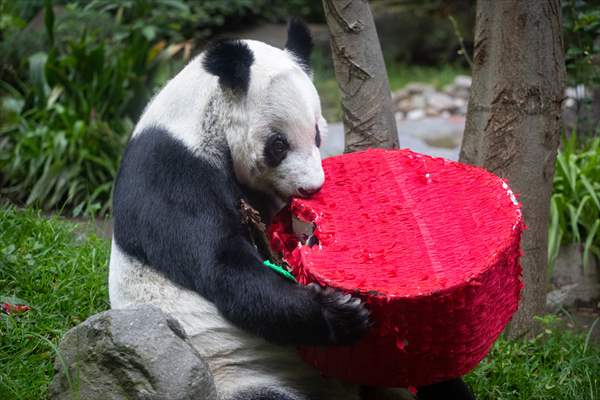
[{"x": 307, "y": 192}]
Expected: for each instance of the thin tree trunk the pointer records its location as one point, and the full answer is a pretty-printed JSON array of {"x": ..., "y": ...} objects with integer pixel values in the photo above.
[
  {"x": 361, "y": 75},
  {"x": 513, "y": 121}
]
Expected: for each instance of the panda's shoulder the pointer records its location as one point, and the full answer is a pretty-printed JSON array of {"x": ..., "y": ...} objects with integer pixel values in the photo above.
[{"x": 156, "y": 165}]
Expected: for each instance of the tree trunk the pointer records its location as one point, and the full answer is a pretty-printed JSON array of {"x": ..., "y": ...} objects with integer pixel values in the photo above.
[
  {"x": 361, "y": 75},
  {"x": 513, "y": 122}
]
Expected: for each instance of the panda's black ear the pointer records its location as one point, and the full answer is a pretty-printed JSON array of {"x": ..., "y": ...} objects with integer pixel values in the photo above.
[
  {"x": 230, "y": 60},
  {"x": 299, "y": 42}
]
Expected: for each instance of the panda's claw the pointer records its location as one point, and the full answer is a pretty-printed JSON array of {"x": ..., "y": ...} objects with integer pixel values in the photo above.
[{"x": 346, "y": 316}]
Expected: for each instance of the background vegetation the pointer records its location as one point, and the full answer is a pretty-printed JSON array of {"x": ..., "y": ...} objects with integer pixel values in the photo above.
[
  {"x": 575, "y": 207},
  {"x": 75, "y": 76}
]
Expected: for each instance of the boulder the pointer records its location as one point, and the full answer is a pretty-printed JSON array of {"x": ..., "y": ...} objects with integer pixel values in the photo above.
[
  {"x": 573, "y": 284},
  {"x": 440, "y": 102},
  {"x": 435, "y": 131},
  {"x": 418, "y": 88},
  {"x": 136, "y": 353},
  {"x": 463, "y": 81}
]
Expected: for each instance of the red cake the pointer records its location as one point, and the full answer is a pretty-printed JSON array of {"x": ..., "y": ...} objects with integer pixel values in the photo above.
[{"x": 431, "y": 246}]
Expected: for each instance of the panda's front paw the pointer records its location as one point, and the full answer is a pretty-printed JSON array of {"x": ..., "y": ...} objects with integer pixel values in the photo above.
[{"x": 346, "y": 316}]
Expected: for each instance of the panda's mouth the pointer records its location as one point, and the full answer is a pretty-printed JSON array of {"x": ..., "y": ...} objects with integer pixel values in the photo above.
[{"x": 280, "y": 199}]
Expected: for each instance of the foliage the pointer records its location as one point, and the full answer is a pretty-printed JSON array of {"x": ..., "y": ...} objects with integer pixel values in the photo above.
[
  {"x": 65, "y": 123},
  {"x": 557, "y": 364},
  {"x": 62, "y": 276},
  {"x": 575, "y": 202},
  {"x": 74, "y": 77},
  {"x": 581, "y": 26}
]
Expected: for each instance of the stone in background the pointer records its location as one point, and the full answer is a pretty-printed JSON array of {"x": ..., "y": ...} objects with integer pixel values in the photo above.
[{"x": 573, "y": 285}]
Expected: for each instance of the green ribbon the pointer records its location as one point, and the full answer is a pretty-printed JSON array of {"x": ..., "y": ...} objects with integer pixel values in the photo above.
[{"x": 280, "y": 270}]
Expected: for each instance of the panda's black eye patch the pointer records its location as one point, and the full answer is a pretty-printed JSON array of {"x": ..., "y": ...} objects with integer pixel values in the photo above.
[
  {"x": 317, "y": 136},
  {"x": 276, "y": 149}
]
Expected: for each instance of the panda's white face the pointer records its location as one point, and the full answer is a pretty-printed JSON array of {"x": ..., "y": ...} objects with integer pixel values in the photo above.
[{"x": 278, "y": 153}]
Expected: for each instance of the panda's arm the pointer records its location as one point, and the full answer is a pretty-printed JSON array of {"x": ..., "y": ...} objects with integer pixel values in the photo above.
[
  {"x": 210, "y": 253},
  {"x": 261, "y": 301},
  {"x": 179, "y": 214}
]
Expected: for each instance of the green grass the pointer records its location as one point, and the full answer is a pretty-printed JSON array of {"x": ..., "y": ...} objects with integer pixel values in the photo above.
[
  {"x": 558, "y": 364},
  {"x": 399, "y": 75},
  {"x": 63, "y": 278}
]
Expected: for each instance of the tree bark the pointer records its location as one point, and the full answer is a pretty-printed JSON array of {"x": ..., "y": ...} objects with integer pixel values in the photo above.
[
  {"x": 513, "y": 122},
  {"x": 361, "y": 75}
]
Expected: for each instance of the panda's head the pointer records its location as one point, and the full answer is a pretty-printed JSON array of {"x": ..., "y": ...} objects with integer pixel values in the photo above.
[{"x": 275, "y": 117}]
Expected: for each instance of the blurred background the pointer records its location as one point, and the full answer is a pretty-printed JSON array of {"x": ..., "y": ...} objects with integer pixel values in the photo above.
[{"x": 75, "y": 76}]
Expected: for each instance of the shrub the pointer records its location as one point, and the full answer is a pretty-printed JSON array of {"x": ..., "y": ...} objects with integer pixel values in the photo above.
[
  {"x": 65, "y": 123},
  {"x": 581, "y": 27},
  {"x": 575, "y": 202},
  {"x": 75, "y": 76}
]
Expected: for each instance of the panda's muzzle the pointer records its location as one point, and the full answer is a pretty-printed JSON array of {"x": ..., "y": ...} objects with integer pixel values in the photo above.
[{"x": 308, "y": 192}]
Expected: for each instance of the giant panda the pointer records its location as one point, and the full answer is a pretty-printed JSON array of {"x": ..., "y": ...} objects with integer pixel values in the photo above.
[{"x": 241, "y": 121}]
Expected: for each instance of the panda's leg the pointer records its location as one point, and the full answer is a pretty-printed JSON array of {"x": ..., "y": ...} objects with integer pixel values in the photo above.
[
  {"x": 266, "y": 393},
  {"x": 453, "y": 389}
]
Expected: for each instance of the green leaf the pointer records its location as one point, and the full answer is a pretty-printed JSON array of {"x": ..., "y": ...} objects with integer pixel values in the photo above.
[
  {"x": 588, "y": 244},
  {"x": 37, "y": 75},
  {"x": 554, "y": 235},
  {"x": 573, "y": 221},
  {"x": 149, "y": 32},
  {"x": 49, "y": 20},
  {"x": 591, "y": 191}
]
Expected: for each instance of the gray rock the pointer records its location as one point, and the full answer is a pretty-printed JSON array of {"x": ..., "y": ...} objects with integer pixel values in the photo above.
[
  {"x": 415, "y": 114},
  {"x": 137, "y": 353},
  {"x": 334, "y": 143},
  {"x": 400, "y": 94},
  {"x": 572, "y": 295},
  {"x": 573, "y": 284},
  {"x": 418, "y": 101},
  {"x": 419, "y": 88},
  {"x": 419, "y": 146},
  {"x": 463, "y": 81},
  {"x": 435, "y": 131},
  {"x": 440, "y": 101},
  {"x": 568, "y": 267},
  {"x": 403, "y": 105}
]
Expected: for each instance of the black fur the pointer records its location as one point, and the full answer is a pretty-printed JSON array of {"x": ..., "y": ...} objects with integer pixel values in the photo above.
[
  {"x": 276, "y": 149},
  {"x": 178, "y": 214},
  {"x": 230, "y": 60},
  {"x": 317, "y": 136},
  {"x": 453, "y": 389},
  {"x": 299, "y": 42}
]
